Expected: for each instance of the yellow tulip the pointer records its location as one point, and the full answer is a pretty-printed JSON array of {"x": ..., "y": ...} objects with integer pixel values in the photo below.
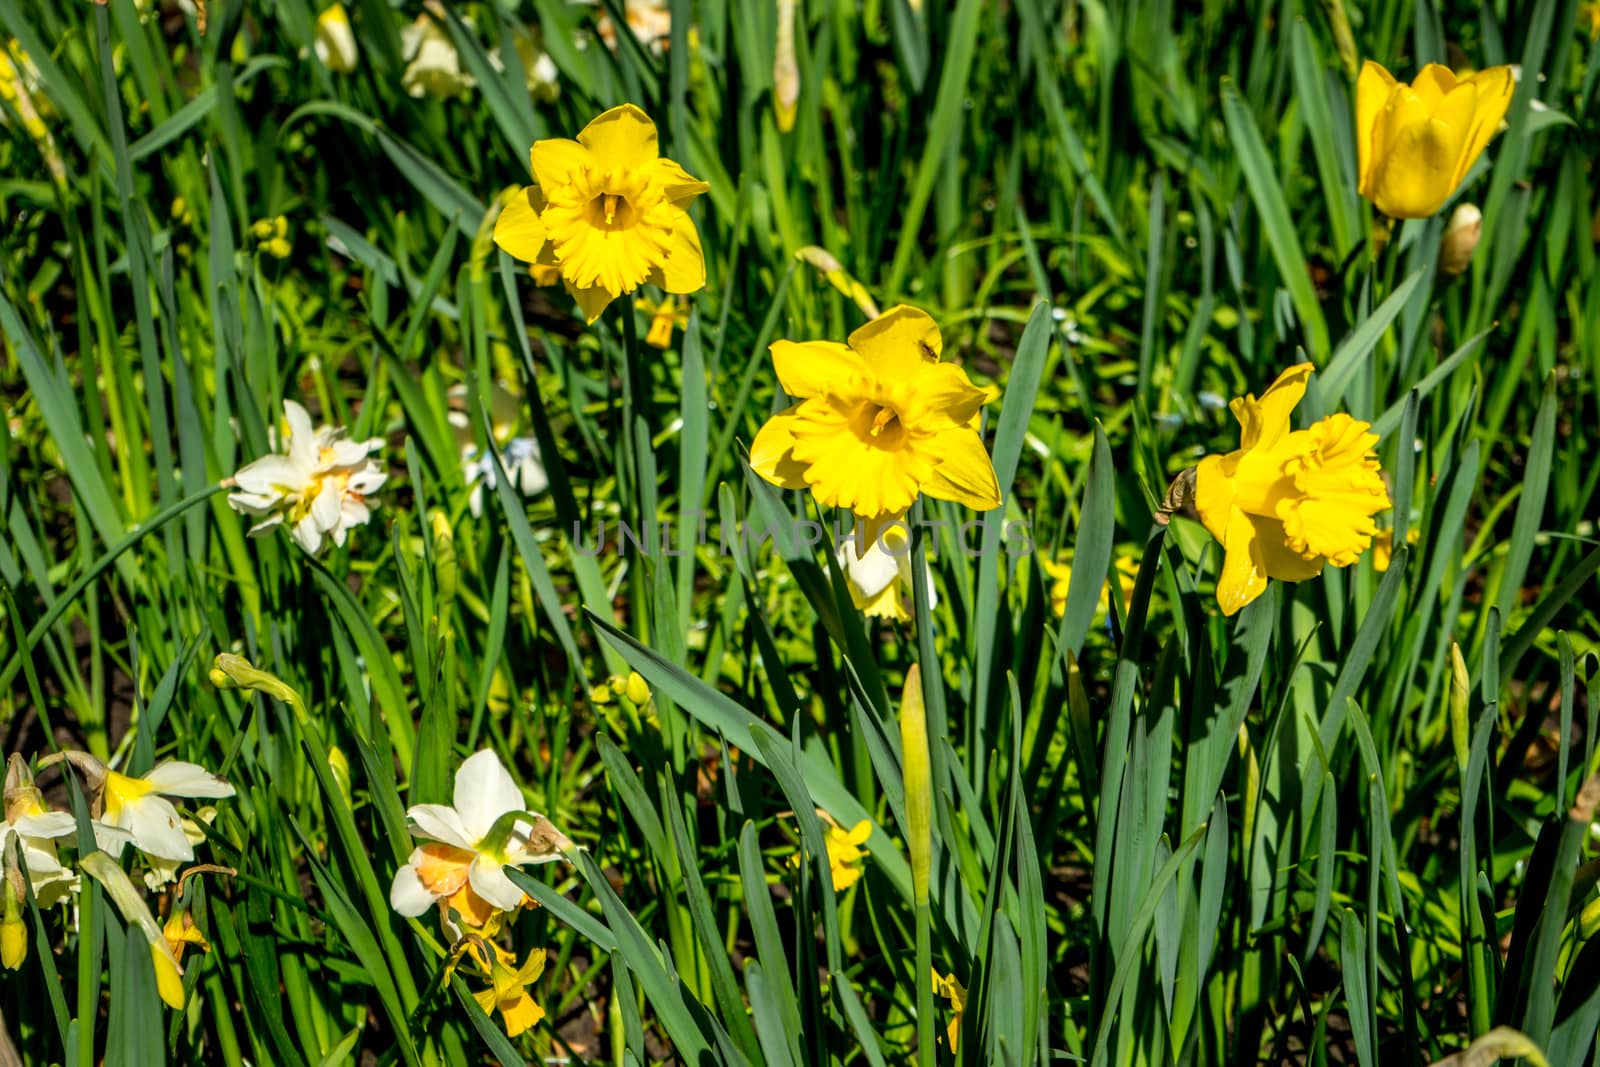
[
  {"x": 1415, "y": 143},
  {"x": 1285, "y": 503}
]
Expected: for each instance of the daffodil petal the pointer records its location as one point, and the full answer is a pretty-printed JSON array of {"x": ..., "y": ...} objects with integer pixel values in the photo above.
[
  {"x": 771, "y": 453},
  {"x": 407, "y": 895},
  {"x": 1244, "y": 568},
  {"x": 554, "y": 160},
  {"x": 679, "y": 185},
  {"x": 623, "y": 136},
  {"x": 484, "y": 791},
  {"x": 898, "y": 342},
  {"x": 441, "y": 823},
  {"x": 592, "y": 300},
  {"x": 1262, "y": 423},
  {"x": 156, "y": 828},
  {"x": 808, "y": 368},
  {"x": 489, "y": 881},
  {"x": 965, "y": 473},
  {"x": 685, "y": 268},
  {"x": 518, "y": 230}
]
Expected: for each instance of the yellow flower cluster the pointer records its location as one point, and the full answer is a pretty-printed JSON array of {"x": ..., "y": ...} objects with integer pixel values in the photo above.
[
  {"x": 272, "y": 236},
  {"x": 846, "y": 857}
]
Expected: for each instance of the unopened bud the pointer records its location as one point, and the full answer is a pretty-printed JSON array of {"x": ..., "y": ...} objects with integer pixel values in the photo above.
[
  {"x": 13, "y": 931},
  {"x": 637, "y": 689},
  {"x": 1460, "y": 239},
  {"x": 339, "y": 767}
]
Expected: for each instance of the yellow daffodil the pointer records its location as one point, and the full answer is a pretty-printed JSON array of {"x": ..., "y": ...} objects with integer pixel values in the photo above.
[
  {"x": 320, "y": 487},
  {"x": 664, "y": 317},
  {"x": 880, "y": 579},
  {"x": 114, "y": 880},
  {"x": 1589, "y": 18},
  {"x": 1059, "y": 571},
  {"x": 463, "y": 867},
  {"x": 1286, "y": 503},
  {"x": 140, "y": 805},
  {"x": 846, "y": 857},
  {"x": 1415, "y": 143},
  {"x": 609, "y": 211},
  {"x": 180, "y": 932},
  {"x": 1383, "y": 547},
  {"x": 879, "y": 420},
  {"x": 952, "y": 990},
  {"x": 335, "y": 44},
  {"x": 508, "y": 990}
]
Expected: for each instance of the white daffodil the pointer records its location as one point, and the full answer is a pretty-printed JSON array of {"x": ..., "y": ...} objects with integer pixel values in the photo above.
[
  {"x": 463, "y": 865},
  {"x": 433, "y": 66},
  {"x": 335, "y": 42},
  {"x": 519, "y": 455},
  {"x": 140, "y": 805},
  {"x": 319, "y": 487},
  {"x": 880, "y": 579},
  {"x": 539, "y": 71},
  {"x": 29, "y": 821}
]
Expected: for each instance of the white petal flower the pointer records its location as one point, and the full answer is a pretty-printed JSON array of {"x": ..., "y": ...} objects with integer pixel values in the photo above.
[
  {"x": 319, "y": 486},
  {"x": 154, "y": 825},
  {"x": 880, "y": 579},
  {"x": 433, "y": 66},
  {"x": 472, "y": 842}
]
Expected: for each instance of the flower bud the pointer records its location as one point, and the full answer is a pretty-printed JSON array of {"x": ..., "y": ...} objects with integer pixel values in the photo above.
[
  {"x": 637, "y": 689},
  {"x": 1460, "y": 239},
  {"x": 13, "y": 931}
]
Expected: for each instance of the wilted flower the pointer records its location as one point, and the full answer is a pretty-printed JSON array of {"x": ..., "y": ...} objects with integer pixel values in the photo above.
[
  {"x": 1460, "y": 239},
  {"x": 880, "y": 578},
  {"x": 878, "y": 421},
  {"x": 846, "y": 857},
  {"x": 609, "y": 212},
  {"x": 463, "y": 867},
  {"x": 433, "y": 66},
  {"x": 335, "y": 44},
  {"x": 650, "y": 21},
  {"x": 319, "y": 487},
  {"x": 1286, "y": 503},
  {"x": 1415, "y": 143}
]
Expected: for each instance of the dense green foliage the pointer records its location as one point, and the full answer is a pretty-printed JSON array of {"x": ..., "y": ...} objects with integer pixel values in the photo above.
[{"x": 1307, "y": 833}]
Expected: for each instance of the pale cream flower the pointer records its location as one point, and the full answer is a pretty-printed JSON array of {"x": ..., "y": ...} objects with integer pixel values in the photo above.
[
  {"x": 880, "y": 579},
  {"x": 519, "y": 454},
  {"x": 336, "y": 43},
  {"x": 433, "y": 66},
  {"x": 650, "y": 21},
  {"x": 318, "y": 488},
  {"x": 140, "y": 805}
]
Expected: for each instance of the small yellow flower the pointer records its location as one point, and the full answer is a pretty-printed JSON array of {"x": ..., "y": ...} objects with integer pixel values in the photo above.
[
  {"x": 1415, "y": 143},
  {"x": 878, "y": 421},
  {"x": 335, "y": 44},
  {"x": 956, "y": 993},
  {"x": 636, "y": 689},
  {"x": 1383, "y": 547},
  {"x": 180, "y": 932},
  {"x": 665, "y": 316},
  {"x": 609, "y": 212},
  {"x": 1286, "y": 503},
  {"x": 1059, "y": 571},
  {"x": 846, "y": 857},
  {"x": 1589, "y": 19},
  {"x": 508, "y": 988}
]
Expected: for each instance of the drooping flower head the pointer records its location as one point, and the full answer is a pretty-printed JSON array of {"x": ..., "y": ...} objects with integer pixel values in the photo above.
[
  {"x": 335, "y": 43},
  {"x": 608, "y": 212},
  {"x": 319, "y": 488},
  {"x": 1287, "y": 502},
  {"x": 1415, "y": 143},
  {"x": 879, "y": 420},
  {"x": 880, "y": 579},
  {"x": 463, "y": 866}
]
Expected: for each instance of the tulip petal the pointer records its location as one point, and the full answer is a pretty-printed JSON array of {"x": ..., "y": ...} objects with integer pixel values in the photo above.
[
  {"x": 808, "y": 368},
  {"x": 899, "y": 342},
  {"x": 1494, "y": 89},
  {"x": 965, "y": 474},
  {"x": 1417, "y": 174},
  {"x": 772, "y": 455},
  {"x": 518, "y": 230},
  {"x": 1433, "y": 82},
  {"x": 1372, "y": 92},
  {"x": 622, "y": 137}
]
